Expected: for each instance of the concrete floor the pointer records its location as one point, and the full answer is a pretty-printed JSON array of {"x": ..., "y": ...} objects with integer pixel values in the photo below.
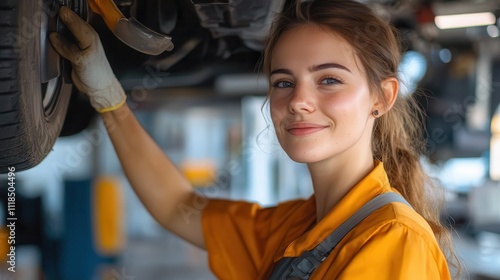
[
  {"x": 168, "y": 257},
  {"x": 480, "y": 255},
  {"x": 165, "y": 257}
]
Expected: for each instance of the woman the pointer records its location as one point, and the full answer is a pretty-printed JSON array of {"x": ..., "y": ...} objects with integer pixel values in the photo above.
[{"x": 332, "y": 68}]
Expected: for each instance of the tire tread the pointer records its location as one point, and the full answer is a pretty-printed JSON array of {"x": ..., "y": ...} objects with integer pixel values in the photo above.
[
  {"x": 8, "y": 102},
  {"x": 7, "y": 36},
  {"x": 8, "y": 73},
  {"x": 9, "y": 131},
  {"x": 7, "y": 53},
  {"x": 8, "y": 4},
  {"x": 8, "y": 17},
  {"x": 9, "y": 117}
]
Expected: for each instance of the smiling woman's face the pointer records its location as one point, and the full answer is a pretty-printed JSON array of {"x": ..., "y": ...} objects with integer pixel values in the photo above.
[{"x": 320, "y": 101}]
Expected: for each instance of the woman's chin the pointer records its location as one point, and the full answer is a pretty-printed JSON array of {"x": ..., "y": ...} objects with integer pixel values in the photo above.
[{"x": 305, "y": 157}]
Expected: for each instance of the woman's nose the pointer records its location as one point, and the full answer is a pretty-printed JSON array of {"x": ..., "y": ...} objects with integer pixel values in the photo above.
[{"x": 302, "y": 101}]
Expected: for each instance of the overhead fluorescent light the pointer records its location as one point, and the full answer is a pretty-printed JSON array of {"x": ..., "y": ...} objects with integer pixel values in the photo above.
[
  {"x": 240, "y": 84},
  {"x": 464, "y": 20}
]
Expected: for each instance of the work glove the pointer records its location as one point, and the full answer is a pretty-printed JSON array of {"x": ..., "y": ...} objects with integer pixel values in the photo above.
[{"x": 91, "y": 73}]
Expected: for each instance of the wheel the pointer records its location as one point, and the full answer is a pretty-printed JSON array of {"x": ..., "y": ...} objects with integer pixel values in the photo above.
[{"x": 35, "y": 87}]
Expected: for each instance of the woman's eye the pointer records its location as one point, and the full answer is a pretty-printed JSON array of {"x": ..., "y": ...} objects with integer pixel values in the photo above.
[
  {"x": 331, "y": 81},
  {"x": 283, "y": 84}
]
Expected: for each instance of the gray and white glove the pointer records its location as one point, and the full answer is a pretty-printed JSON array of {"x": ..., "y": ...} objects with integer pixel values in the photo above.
[{"x": 91, "y": 73}]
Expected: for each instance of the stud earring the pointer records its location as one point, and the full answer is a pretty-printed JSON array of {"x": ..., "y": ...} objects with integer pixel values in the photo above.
[{"x": 375, "y": 113}]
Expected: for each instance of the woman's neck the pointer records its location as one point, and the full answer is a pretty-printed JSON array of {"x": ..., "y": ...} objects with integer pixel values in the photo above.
[{"x": 333, "y": 178}]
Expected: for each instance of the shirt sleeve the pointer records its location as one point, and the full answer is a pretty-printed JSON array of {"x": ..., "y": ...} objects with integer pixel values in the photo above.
[
  {"x": 235, "y": 235},
  {"x": 396, "y": 251}
]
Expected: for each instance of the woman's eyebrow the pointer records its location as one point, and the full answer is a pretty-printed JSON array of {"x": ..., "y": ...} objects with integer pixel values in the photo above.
[
  {"x": 328, "y": 65},
  {"x": 313, "y": 68},
  {"x": 281, "y": 71}
]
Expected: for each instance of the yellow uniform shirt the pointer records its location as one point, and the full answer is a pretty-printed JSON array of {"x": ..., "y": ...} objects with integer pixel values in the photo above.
[{"x": 245, "y": 241}]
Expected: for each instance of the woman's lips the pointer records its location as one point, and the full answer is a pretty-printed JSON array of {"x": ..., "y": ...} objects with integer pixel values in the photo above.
[{"x": 302, "y": 129}]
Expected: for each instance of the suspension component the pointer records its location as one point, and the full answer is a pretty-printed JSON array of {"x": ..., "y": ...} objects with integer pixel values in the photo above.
[{"x": 130, "y": 31}]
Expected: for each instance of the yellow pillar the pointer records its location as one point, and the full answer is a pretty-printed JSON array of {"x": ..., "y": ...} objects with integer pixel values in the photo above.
[{"x": 109, "y": 217}]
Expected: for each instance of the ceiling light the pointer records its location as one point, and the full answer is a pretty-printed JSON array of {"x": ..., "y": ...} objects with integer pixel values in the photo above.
[
  {"x": 445, "y": 55},
  {"x": 493, "y": 31},
  {"x": 412, "y": 69},
  {"x": 464, "y": 20}
]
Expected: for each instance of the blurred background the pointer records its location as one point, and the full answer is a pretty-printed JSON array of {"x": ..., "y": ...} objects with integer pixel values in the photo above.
[{"x": 78, "y": 218}]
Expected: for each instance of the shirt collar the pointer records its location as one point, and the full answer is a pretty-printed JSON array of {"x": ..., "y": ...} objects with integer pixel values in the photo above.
[{"x": 375, "y": 183}]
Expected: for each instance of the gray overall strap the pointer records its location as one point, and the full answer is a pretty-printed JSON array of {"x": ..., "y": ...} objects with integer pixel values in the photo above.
[{"x": 302, "y": 267}]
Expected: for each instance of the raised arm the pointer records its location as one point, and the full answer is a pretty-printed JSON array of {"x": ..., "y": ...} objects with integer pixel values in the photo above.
[{"x": 164, "y": 191}]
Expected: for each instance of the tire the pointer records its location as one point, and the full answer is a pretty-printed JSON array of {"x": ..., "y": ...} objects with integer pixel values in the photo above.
[{"x": 28, "y": 128}]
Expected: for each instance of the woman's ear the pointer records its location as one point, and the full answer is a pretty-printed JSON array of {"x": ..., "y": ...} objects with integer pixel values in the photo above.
[{"x": 390, "y": 88}]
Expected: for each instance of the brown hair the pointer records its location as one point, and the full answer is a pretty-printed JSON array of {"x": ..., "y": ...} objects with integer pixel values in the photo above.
[{"x": 397, "y": 138}]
